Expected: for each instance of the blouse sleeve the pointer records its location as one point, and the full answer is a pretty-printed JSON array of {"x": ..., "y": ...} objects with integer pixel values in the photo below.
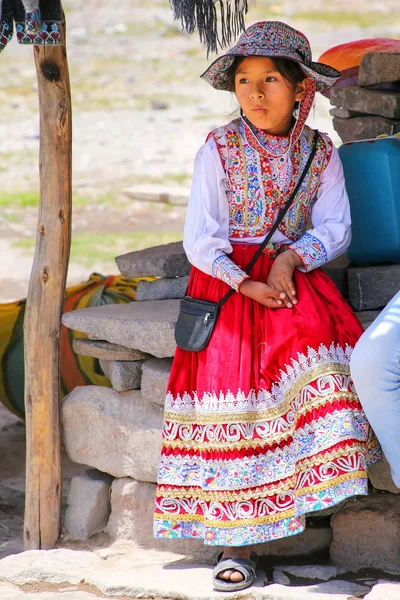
[
  {"x": 206, "y": 233},
  {"x": 331, "y": 233}
]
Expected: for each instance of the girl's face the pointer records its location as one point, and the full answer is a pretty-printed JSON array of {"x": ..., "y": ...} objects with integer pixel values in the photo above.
[{"x": 265, "y": 96}]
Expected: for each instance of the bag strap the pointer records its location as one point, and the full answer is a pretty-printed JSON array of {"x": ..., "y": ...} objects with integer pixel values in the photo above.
[{"x": 279, "y": 219}]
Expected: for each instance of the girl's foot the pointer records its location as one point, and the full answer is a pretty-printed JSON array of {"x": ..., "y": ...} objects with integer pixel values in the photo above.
[{"x": 234, "y": 552}]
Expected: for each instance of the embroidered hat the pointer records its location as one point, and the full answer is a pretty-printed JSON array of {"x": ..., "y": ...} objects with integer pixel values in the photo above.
[{"x": 272, "y": 39}]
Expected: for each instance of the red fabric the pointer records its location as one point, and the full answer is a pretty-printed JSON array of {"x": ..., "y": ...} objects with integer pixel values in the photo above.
[{"x": 252, "y": 343}]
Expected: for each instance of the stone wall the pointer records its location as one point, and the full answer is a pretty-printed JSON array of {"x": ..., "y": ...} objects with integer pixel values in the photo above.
[
  {"x": 117, "y": 432},
  {"x": 363, "y": 111}
]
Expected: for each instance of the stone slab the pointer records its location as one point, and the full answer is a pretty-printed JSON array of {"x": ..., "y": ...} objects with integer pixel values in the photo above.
[
  {"x": 168, "y": 260},
  {"x": 163, "y": 576},
  {"x": 367, "y": 317},
  {"x": 373, "y": 102},
  {"x": 366, "y": 533},
  {"x": 12, "y": 592},
  {"x": 115, "y": 432},
  {"x": 373, "y": 287},
  {"x": 159, "y": 193},
  {"x": 162, "y": 289},
  {"x": 362, "y": 128},
  {"x": 379, "y": 67},
  {"x": 343, "y": 113},
  {"x": 155, "y": 379},
  {"x": 144, "y": 326},
  {"x": 105, "y": 350},
  {"x": 124, "y": 374},
  {"x": 381, "y": 477},
  {"x": 89, "y": 505}
]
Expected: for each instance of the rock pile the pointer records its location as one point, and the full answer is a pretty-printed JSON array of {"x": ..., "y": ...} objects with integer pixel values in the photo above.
[
  {"x": 364, "y": 111},
  {"x": 118, "y": 431}
]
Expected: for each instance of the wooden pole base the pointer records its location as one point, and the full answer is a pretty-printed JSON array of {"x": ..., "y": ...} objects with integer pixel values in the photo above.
[{"x": 45, "y": 300}]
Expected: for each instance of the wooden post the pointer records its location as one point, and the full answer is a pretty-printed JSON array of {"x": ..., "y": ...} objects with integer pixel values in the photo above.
[{"x": 46, "y": 298}]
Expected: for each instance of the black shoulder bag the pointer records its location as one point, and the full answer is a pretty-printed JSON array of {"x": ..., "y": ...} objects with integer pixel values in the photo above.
[{"x": 197, "y": 318}]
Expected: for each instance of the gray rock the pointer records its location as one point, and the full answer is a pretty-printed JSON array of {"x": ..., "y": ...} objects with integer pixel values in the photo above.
[
  {"x": 114, "y": 432},
  {"x": 159, "y": 193},
  {"x": 367, "y": 317},
  {"x": 373, "y": 287},
  {"x": 339, "y": 278},
  {"x": 321, "y": 572},
  {"x": 279, "y": 577},
  {"x": 343, "y": 113},
  {"x": 123, "y": 374},
  {"x": 381, "y": 477},
  {"x": 143, "y": 573},
  {"x": 159, "y": 104},
  {"x": 366, "y": 533},
  {"x": 8, "y": 592},
  {"x": 379, "y": 67},
  {"x": 88, "y": 504},
  {"x": 162, "y": 289},
  {"x": 145, "y": 326},
  {"x": 373, "y": 102},
  {"x": 362, "y": 128},
  {"x": 155, "y": 379},
  {"x": 105, "y": 350},
  {"x": 168, "y": 260},
  {"x": 384, "y": 590}
]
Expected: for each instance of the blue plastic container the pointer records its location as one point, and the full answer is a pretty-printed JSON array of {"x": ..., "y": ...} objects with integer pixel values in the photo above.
[{"x": 372, "y": 173}]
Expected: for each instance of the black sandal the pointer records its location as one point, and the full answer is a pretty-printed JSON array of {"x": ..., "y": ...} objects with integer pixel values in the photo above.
[{"x": 244, "y": 566}]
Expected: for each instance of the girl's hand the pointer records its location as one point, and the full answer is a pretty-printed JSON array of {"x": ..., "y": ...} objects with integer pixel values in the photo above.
[
  {"x": 262, "y": 293},
  {"x": 281, "y": 276}
]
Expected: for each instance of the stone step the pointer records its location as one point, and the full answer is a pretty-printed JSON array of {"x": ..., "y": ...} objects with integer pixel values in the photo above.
[
  {"x": 89, "y": 505},
  {"x": 124, "y": 374},
  {"x": 144, "y": 326},
  {"x": 155, "y": 379},
  {"x": 373, "y": 287},
  {"x": 373, "y": 102},
  {"x": 168, "y": 260},
  {"x": 373, "y": 541},
  {"x": 105, "y": 350},
  {"x": 379, "y": 67},
  {"x": 362, "y": 128},
  {"x": 162, "y": 289},
  {"x": 116, "y": 433}
]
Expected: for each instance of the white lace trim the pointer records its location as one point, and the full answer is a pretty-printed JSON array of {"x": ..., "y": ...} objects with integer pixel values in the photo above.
[{"x": 212, "y": 402}]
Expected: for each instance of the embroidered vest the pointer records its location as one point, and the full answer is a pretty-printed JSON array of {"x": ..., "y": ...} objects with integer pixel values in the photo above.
[{"x": 258, "y": 185}]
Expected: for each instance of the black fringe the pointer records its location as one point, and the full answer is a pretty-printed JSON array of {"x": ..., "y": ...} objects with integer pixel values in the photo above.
[{"x": 203, "y": 15}]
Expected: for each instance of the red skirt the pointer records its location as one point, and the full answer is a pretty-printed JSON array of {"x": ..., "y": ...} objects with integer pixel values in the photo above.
[{"x": 264, "y": 425}]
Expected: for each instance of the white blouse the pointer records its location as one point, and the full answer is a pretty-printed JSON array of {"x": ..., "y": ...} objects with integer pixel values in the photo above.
[{"x": 206, "y": 234}]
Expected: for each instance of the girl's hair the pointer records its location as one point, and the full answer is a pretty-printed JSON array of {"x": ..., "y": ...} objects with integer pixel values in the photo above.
[{"x": 289, "y": 69}]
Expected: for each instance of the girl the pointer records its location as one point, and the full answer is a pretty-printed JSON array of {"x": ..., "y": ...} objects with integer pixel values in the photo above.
[{"x": 263, "y": 425}]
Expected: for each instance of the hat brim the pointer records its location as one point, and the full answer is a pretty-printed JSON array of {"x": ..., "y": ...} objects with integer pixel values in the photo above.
[{"x": 324, "y": 75}]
